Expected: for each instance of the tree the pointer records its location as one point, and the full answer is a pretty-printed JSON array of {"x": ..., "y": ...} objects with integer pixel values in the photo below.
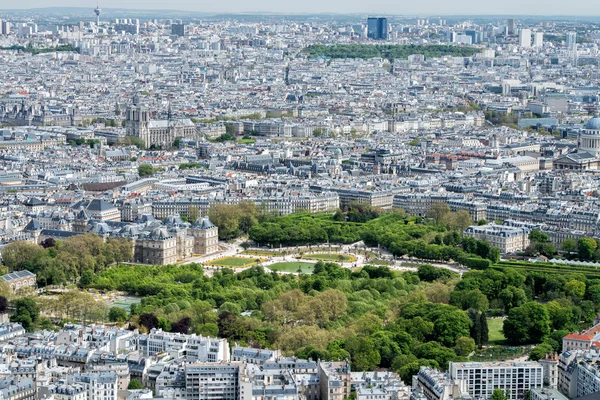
[
  {"x": 585, "y": 248},
  {"x": 464, "y": 346},
  {"x": 21, "y": 255},
  {"x": 529, "y": 323},
  {"x": 476, "y": 300},
  {"x": 26, "y": 313},
  {"x": 182, "y": 326},
  {"x": 227, "y": 218},
  {"x": 3, "y": 304},
  {"x": 438, "y": 211},
  {"x": 568, "y": 245},
  {"x": 498, "y": 394},
  {"x": 512, "y": 297},
  {"x": 575, "y": 288},
  {"x": 135, "y": 384},
  {"x": 117, "y": 314},
  {"x": 538, "y": 236},
  {"x": 429, "y": 273},
  {"x": 484, "y": 329},
  {"x": 145, "y": 170},
  {"x": 149, "y": 321},
  {"x": 193, "y": 213},
  {"x": 363, "y": 354},
  {"x": 479, "y": 327},
  {"x": 540, "y": 351}
]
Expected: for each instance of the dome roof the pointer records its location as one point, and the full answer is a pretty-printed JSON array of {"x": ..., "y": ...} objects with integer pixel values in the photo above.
[{"x": 593, "y": 124}]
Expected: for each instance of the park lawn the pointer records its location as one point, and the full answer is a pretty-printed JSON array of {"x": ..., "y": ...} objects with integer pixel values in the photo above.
[
  {"x": 307, "y": 268},
  {"x": 233, "y": 262},
  {"x": 263, "y": 253},
  {"x": 495, "y": 335},
  {"x": 245, "y": 141},
  {"x": 330, "y": 257}
]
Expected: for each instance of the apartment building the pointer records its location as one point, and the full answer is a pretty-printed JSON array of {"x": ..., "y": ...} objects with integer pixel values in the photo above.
[
  {"x": 195, "y": 348},
  {"x": 217, "y": 381},
  {"x": 507, "y": 239},
  {"x": 431, "y": 384},
  {"x": 335, "y": 380},
  {"x": 514, "y": 378}
]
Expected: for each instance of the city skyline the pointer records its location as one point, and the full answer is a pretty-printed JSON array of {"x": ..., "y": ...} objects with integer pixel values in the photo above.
[{"x": 510, "y": 7}]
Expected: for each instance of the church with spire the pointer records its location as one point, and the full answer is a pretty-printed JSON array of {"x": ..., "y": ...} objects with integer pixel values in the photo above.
[{"x": 156, "y": 132}]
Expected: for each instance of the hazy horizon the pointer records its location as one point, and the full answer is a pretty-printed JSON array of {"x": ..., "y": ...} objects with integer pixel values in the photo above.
[{"x": 585, "y": 8}]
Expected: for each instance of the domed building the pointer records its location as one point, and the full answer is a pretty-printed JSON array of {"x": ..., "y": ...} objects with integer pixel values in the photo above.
[
  {"x": 587, "y": 156},
  {"x": 589, "y": 138}
]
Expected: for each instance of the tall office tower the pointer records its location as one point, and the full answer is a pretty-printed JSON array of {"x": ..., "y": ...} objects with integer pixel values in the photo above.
[
  {"x": 510, "y": 25},
  {"x": 571, "y": 40},
  {"x": 525, "y": 38},
  {"x": 377, "y": 28},
  {"x": 538, "y": 39},
  {"x": 97, "y": 11},
  {"x": 178, "y": 29},
  {"x": 5, "y": 28},
  {"x": 473, "y": 35}
]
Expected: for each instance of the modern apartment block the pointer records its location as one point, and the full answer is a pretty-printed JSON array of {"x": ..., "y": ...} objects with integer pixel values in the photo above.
[
  {"x": 515, "y": 378},
  {"x": 217, "y": 381},
  {"x": 194, "y": 348}
]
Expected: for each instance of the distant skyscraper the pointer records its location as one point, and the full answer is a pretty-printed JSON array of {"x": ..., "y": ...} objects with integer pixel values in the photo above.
[
  {"x": 572, "y": 46},
  {"x": 525, "y": 38},
  {"x": 538, "y": 39},
  {"x": 97, "y": 11},
  {"x": 510, "y": 25},
  {"x": 178, "y": 29},
  {"x": 5, "y": 28},
  {"x": 571, "y": 40},
  {"x": 377, "y": 28},
  {"x": 473, "y": 35}
]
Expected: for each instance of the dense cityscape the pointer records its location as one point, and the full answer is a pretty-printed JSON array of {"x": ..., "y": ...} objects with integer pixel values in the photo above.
[{"x": 298, "y": 207}]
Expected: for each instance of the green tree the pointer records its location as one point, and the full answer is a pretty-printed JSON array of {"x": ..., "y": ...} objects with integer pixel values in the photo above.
[
  {"x": 145, "y": 170},
  {"x": 227, "y": 218},
  {"x": 117, "y": 314},
  {"x": 540, "y": 351},
  {"x": 438, "y": 211},
  {"x": 21, "y": 255},
  {"x": 529, "y": 323},
  {"x": 585, "y": 248},
  {"x": 568, "y": 245},
  {"x": 26, "y": 313},
  {"x": 464, "y": 346},
  {"x": 575, "y": 288},
  {"x": 135, "y": 384},
  {"x": 538, "y": 236},
  {"x": 498, "y": 394},
  {"x": 363, "y": 354}
]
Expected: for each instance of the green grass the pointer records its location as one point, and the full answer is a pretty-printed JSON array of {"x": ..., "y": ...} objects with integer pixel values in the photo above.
[
  {"x": 245, "y": 141},
  {"x": 233, "y": 262},
  {"x": 307, "y": 268},
  {"x": 378, "y": 261},
  {"x": 329, "y": 257},
  {"x": 495, "y": 335},
  {"x": 262, "y": 253}
]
